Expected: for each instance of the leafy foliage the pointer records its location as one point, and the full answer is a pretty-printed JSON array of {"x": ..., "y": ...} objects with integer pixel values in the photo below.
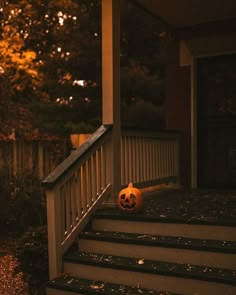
[
  {"x": 23, "y": 201},
  {"x": 143, "y": 114},
  {"x": 51, "y": 63},
  {"x": 32, "y": 253},
  {"x": 11, "y": 281}
]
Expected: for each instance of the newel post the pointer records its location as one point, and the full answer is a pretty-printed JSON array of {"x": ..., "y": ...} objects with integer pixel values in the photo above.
[
  {"x": 54, "y": 232},
  {"x": 111, "y": 83}
]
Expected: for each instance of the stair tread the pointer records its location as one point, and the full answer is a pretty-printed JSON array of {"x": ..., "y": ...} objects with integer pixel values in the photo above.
[
  {"x": 114, "y": 213},
  {"x": 198, "y": 272},
  {"x": 78, "y": 285},
  {"x": 162, "y": 241}
]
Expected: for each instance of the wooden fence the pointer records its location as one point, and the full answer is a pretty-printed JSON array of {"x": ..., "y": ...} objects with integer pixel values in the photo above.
[{"x": 36, "y": 157}]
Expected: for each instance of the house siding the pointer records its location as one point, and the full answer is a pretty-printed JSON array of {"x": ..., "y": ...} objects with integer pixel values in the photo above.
[{"x": 178, "y": 106}]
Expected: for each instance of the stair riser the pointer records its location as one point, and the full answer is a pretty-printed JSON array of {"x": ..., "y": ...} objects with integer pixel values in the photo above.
[
  {"x": 60, "y": 292},
  {"x": 210, "y": 259},
  {"x": 150, "y": 281},
  {"x": 167, "y": 229}
]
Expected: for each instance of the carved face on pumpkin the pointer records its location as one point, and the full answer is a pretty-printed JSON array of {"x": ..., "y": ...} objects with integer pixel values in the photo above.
[{"x": 130, "y": 199}]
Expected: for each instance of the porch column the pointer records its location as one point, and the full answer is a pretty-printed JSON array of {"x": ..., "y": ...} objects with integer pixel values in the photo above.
[{"x": 111, "y": 83}]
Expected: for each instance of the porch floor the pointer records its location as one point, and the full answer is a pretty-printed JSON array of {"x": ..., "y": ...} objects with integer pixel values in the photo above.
[{"x": 196, "y": 206}]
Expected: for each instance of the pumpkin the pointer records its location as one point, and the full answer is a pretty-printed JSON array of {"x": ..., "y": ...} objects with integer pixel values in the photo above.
[{"x": 130, "y": 199}]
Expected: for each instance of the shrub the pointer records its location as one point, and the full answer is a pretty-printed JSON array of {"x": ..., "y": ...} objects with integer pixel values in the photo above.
[
  {"x": 23, "y": 201},
  {"x": 32, "y": 253}
]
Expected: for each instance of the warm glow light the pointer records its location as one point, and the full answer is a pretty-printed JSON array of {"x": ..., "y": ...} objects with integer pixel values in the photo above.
[
  {"x": 61, "y": 21},
  {"x": 79, "y": 82},
  {"x": 2, "y": 70}
]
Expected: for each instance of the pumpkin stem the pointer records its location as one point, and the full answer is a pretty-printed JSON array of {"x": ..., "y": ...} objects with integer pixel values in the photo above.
[{"x": 130, "y": 184}]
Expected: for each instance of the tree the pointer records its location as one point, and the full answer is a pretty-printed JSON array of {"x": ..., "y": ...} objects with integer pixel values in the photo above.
[
  {"x": 142, "y": 69},
  {"x": 19, "y": 77},
  {"x": 68, "y": 71},
  {"x": 61, "y": 41}
]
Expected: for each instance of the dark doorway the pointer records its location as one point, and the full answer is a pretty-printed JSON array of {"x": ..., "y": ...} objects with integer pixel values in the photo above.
[{"x": 216, "y": 116}]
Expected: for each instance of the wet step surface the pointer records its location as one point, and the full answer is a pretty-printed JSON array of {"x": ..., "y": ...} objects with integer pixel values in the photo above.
[
  {"x": 194, "y": 207},
  {"x": 163, "y": 241},
  {"x": 84, "y": 286},
  {"x": 204, "y": 273},
  {"x": 203, "y": 206}
]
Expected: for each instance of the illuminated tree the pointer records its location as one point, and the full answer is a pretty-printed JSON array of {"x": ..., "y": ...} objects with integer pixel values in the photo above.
[
  {"x": 65, "y": 49},
  {"x": 19, "y": 77},
  {"x": 58, "y": 73}
]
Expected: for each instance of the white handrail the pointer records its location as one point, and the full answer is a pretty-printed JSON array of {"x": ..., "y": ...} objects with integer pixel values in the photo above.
[
  {"x": 83, "y": 180},
  {"x": 149, "y": 157},
  {"x": 74, "y": 189}
]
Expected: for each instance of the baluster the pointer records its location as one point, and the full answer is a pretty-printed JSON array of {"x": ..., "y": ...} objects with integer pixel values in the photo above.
[
  {"x": 73, "y": 205},
  {"x": 172, "y": 159},
  {"x": 63, "y": 211},
  {"x": 141, "y": 159},
  {"x": 122, "y": 168},
  {"x": 154, "y": 159},
  {"x": 126, "y": 159},
  {"x": 102, "y": 167},
  {"x": 137, "y": 159},
  {"x": 68, "y": 207},
  {"x": 88, "y": 183},
  {"x": 93, "y": 187},
  {"x": 160, "y": 160},
  {"x": 164, "y": 159},
  {"x": 78, "y": 195},
  {"x": 134, "y": 161},
  {"x": 131, "y": 176},
  {"x": 145, "y": 159},
  {"x": 167, "y": 159},
  {"x": 82, "y": 192},
  {"x": 149, "y": 159},
  {"x": 98, "y": 175}
]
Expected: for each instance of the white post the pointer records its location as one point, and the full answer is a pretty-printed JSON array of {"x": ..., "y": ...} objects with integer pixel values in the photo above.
[
  {"x": 111, "y": 82},
  {"x": 193, "y": 125},
  {"x": 54, "y": 232}
]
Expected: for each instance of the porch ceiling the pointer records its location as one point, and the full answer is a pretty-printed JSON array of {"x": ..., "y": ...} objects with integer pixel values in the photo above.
[{"x": 187, "y": 13}]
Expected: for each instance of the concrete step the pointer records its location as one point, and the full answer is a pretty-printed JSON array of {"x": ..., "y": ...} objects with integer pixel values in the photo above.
[
  {"x": 69, "y": 285},
  {"x": 151, "y": 274},
  {"x": 107, "y": 220},
  {"x": 212, "y": 253}
]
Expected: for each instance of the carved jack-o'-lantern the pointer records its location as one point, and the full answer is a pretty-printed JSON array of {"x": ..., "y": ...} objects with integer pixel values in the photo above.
[{"x": 130, "y": 199}]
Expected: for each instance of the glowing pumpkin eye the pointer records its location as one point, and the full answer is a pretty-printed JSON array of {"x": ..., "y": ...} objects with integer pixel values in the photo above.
[
  {"x": 122, "y": 196},
  {"x": 132, "y": 197}
]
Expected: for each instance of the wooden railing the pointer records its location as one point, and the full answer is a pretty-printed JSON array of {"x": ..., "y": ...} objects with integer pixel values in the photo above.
[
  {"x": 76, "y": 187},
  {"x": 149, "y": 158}
]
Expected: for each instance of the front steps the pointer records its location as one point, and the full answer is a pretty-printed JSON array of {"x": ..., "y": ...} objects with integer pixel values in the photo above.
[
  {"x": 177, "y": 227},
  {"x": 211, "y": 253},
  {"x": 143, "y": 255},
  {"x": 68, "y": 285}
]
